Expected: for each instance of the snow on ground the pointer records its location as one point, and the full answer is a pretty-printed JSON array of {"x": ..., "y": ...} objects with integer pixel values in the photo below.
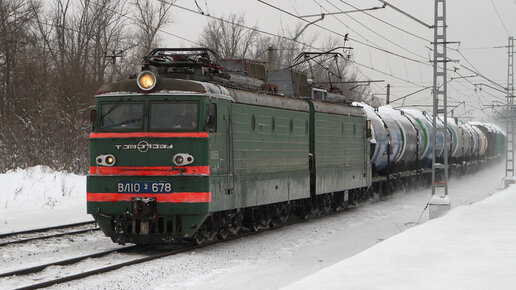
[
  {"x": 279, "y": 258},
  {"x": 472, "y": 247},
  {"x": 38, "y": 197}
]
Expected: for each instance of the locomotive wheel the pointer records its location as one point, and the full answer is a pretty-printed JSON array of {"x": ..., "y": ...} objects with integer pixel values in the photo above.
[
  {"x": 256, "y": 221},
  {"x": 276, "y": 216},
  {"x": 222, "y": 226},
  {"x": 199, "y": 239},
  {"x": 200, "y": 236},
  {"x": 285, "y": 212},
  {"x": 236, "y": 224},
  {"x": 325, "y": 204},
  {"x": 255, "y": 227},
  {"x": 267, "y": 217},
  {"x": 222, "y": 234},
  {"x": 211, "y": 230}
]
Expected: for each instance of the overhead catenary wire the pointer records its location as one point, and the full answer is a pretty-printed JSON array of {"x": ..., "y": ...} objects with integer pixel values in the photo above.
[
  {"x": 374, "y": 46},
  {"x": 283, "y": 37},
  {"x": 499, "y": 17},
  {"x": 384, "y": 73},
  {"x": 483, "y": 47},
  {"x": 390, "y": 24},
  {"x": 374, "y": 32},
  {"x": 240, "y": 25},
  {"x": 284, "y": 11},
  {"x": 475, "y": 70}
]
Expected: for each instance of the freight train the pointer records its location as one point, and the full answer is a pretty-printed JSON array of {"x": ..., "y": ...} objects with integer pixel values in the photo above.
[{"x": 196, "y": 148}]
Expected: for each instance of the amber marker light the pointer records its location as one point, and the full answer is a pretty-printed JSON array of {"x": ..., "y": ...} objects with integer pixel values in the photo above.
[
  {"x": 105, "y": 160},
  {"x": 110, "y": 160},
  {"x": 146, "y": 80}
]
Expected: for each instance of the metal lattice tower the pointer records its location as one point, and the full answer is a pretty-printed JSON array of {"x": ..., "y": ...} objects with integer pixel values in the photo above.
[
  {"x": 509, "y": 158},
  {"x": 440, "y": 89}
]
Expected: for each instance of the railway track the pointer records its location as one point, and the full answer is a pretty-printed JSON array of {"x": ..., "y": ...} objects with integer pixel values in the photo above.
[
  {"x": 46, "y": 233},
  {"x": 148, "y": 253}
]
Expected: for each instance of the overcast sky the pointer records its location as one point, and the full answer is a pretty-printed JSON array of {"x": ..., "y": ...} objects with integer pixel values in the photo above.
[{"x": 476, "y": 24}]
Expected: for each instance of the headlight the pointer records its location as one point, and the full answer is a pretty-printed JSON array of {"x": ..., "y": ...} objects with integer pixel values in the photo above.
[
  {"x": 146, "y": 80},
  {"x": 182, "y": 159},
  {"x": 106, "y": 160},
  {"x": 178, "y": 159}
]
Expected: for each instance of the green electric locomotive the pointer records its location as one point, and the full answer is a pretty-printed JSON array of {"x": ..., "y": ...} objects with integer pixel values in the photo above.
[{"x": 189, "y": 150}]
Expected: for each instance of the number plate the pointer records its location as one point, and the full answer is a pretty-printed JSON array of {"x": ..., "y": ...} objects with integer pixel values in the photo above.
[{"x": 144, "y": 187}]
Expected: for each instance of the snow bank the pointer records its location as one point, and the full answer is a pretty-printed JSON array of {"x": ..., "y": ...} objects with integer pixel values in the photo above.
[
  {"x": 472, "y": 247},
  {"x": 38, "y": 196}
]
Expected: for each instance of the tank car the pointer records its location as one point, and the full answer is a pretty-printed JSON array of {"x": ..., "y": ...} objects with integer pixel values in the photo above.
[
  {"x": 410, "y": 139},
  {"x": 482, "y": 141},
  {"x": 380, "y": 140},
  {"x": 457, "y": 144},
  {"x": 394, "y": 133},
  {"x": 425, "y": 156}
]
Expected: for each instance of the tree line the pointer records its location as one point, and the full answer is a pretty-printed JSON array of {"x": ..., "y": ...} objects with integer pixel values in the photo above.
[{"x": 55, "y": 54}]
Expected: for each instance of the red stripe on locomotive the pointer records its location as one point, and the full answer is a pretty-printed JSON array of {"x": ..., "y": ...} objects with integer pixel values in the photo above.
[
  {"x": 151, "y": 170},
  {"x": 175, "y": 197},
  {"x": 149, "y": 135}
]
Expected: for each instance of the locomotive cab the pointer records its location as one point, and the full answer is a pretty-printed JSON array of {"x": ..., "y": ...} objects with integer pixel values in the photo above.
[{"x": 149, "y": 160}]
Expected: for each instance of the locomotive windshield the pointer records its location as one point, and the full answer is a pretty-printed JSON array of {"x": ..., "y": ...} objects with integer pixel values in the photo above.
[
  {"x": 172, "y": 116},
  {"x": 121, "y": 117}
]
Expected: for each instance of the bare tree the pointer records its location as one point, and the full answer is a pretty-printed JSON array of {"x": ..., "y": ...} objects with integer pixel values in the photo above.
[
  {"x": 149, "y": 20},
  {"x": 58, "y": 70},
  {"x": 15, "y": 15},
  {"x": 231, "y": 39},
  {"x": 228, "y": 36}
]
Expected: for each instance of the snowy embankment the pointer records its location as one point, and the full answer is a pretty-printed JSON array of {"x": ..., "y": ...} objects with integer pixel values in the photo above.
[
  {"x": 40, "y": 197},
  {"x": 472, "y": 247}
]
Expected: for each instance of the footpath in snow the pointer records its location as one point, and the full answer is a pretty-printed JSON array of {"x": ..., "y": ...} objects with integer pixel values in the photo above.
[{"x": 472, "y": 247}]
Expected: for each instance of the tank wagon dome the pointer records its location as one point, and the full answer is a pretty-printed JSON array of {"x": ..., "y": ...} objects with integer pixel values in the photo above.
[{"x": 379, "y": 139}]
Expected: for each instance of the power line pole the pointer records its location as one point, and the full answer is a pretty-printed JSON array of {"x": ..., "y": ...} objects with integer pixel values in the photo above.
[
  {"x": 440, "y": 203},
  {"x": 509, "y": 157},
  {"x": 114, "y": 55}
]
